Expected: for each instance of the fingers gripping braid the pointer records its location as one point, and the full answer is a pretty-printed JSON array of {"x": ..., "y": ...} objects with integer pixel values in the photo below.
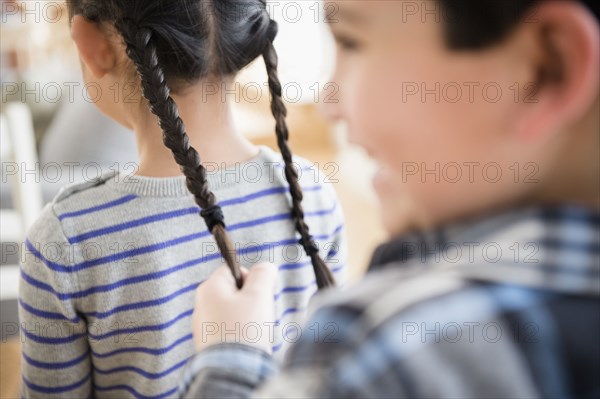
[
  {"x": 142, "y": 51},
  {"x": 323, "y": 275}
]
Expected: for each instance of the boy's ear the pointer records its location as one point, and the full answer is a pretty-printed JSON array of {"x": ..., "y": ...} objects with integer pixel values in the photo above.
[
  {"x": 94, "y": 47},
  {"x": 566, "y": 64}
]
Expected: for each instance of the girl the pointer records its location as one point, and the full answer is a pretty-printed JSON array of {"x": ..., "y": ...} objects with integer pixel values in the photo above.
[{"x": 111, "y": 266}]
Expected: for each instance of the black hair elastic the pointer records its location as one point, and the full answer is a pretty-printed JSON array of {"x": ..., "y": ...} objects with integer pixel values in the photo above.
[
  {"x": 310, "y": 246},
  {"x": 213, "y": 216}
]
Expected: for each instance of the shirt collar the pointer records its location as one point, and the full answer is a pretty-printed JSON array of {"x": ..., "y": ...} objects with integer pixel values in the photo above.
[{"x": 550, "y": 248}]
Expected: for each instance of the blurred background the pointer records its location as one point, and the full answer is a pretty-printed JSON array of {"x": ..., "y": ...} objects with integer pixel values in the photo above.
[{"x": 52, "y": 133}]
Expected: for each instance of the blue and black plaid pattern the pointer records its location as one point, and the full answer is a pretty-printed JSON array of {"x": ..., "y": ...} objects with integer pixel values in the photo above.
[{"x": 516, "y": 314}]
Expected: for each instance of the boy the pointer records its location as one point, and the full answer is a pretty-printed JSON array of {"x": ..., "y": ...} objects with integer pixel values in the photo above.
[{"x": 484, "y": 118}]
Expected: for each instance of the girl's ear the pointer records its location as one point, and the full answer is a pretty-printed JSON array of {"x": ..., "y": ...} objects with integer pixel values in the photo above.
[
  {"x": 564, "y": 65},
  {"x": 95, "y": 49}
]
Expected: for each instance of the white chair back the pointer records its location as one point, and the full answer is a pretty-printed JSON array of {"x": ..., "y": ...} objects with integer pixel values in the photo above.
[{"x": 20, "y": 168}]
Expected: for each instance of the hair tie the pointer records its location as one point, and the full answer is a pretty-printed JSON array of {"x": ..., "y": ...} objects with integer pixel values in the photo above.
[
  {"x": 309, "y": 245},
  {"x": 212, "y": 216}
]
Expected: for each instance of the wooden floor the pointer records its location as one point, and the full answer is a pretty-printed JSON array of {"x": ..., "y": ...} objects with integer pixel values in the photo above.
[
  {"x": 9, "y": 369},
  {"x": 353, "y": 188}
]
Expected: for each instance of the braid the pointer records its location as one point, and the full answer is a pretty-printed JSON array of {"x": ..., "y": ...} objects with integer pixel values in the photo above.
[
  {"x": 323, "y": 274},
  {"x": 142, "y": 51}
]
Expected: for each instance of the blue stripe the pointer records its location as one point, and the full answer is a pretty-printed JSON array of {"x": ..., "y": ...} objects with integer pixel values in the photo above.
[
  {"x": 143, "y": 373},
  {"x": 132, "y": 391},
  {"x": 120, "y": 283},
  {"x": 291, "y": 266},
  {"x": 58, "y": 365},
  {"x": 295, "y": 289},
  {"x": 107, "y": 205},
  {"x": 337, "y": 229},
  {"x": 264, "y": 193},
  {"x": 46, "y": 315},
  {"x": 276, "y": 348},
  {"x": 113, "y": 258},
  {"x": 59, "y": 389},
  {"x": 257, "y": 248},
  {"x": 323, "y": 212},
  {"x": 269, "y": 245},
  {"x": 143, "y": 304},
  {"x": 133, "y": 223},
  {"x": 51, "y": 341},
  {"x": 142, "y": 349},
  {"x": 310, "y": 168},
  {"x": 333, "y": 252},
  {"x": 39, "y": 284},
  {"x": 267, "y": 219},
  {"x": 338, "y": 268},
  {"x": 133, "y": 330},
  {"x": 118, "y": 309},
  {"x": 301, "y": 288},
  {"x": 256, "y": 222}
]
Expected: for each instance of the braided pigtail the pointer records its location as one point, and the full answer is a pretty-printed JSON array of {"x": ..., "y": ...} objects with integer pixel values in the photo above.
[
  {"x": 142, "y": 51},
  {"x": 323, "y": 275}
]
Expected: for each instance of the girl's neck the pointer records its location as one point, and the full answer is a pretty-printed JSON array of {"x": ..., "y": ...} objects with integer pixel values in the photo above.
[{"x": 209, "y": 125}]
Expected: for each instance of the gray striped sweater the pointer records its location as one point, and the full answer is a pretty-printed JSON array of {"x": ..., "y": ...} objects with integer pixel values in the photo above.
[{"x": 110, "y": 269}]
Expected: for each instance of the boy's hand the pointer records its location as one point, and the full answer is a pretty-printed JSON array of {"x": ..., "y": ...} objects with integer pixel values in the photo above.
[{"x": 222, "y": 313}]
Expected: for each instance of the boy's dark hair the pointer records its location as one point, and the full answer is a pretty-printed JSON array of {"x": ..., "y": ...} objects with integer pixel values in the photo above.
[
  {"x": 474, "y": 24},
  {"x": 175, "y": 42}
]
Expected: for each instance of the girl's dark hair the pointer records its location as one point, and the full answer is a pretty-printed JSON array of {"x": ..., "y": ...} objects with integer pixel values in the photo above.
[
  {"x": 475, "y": 24},
  {"x": 178, "y": 42}
]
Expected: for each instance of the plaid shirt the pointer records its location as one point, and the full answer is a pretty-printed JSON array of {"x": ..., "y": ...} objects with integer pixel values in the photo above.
[{"x": 507, "y": 306}]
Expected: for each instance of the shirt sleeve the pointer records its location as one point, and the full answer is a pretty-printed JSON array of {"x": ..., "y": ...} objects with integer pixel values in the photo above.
[
  {"x": 56, "y": 356},
  {"x": 235, "y": 370},
  {"x": 228, "y": 370}
]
